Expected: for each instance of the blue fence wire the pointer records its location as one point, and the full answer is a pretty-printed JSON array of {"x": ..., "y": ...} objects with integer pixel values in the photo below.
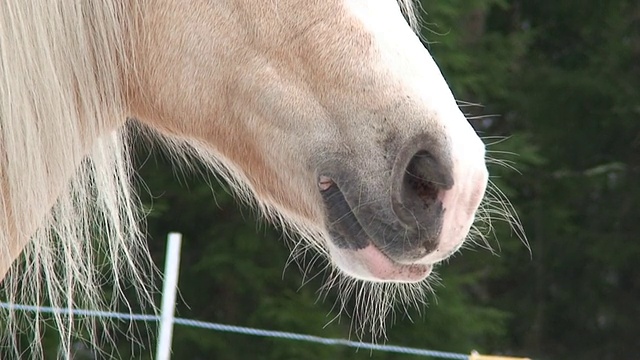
[{"x": 239, "y": 330}]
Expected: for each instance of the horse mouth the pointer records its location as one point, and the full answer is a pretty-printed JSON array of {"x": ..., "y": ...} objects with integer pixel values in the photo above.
[
  {"x": 353, "y": 249},
  {"x": 371, "y": 264}
]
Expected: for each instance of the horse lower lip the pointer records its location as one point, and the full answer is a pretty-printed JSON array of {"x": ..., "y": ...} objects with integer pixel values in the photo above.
[{"x": 371, "y": 264}]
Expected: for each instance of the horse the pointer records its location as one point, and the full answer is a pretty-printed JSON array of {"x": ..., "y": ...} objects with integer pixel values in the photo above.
[{"x": 330, "y": 116}]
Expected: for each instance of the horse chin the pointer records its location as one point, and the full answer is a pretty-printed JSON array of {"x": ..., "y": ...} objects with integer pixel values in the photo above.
[{"x": 371, "y": 264}]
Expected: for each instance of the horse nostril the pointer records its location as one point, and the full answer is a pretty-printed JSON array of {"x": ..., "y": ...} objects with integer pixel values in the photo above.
[
  {"x": 424, "y": 178},
  {"x": 421, "y": 179},
  {"x": 417, "y": 180}
]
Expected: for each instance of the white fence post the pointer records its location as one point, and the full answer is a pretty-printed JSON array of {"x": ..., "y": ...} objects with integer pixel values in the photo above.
[{"x": 171, "y": 268}]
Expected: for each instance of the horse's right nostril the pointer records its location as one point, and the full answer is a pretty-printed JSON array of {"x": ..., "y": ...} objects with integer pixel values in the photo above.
[
  {"x": 416, "y": 201},
  {"x": 423, "y": 179}
]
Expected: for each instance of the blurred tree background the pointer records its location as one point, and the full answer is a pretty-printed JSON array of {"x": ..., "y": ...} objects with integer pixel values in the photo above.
[{"x": 559, "y": 88}]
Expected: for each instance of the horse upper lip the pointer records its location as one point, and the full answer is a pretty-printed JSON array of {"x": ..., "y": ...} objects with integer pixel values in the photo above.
[{"x": 370, "y": 263}]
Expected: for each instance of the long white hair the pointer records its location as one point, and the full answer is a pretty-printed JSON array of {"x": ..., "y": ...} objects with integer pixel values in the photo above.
[{"x": 61, "y": 86}]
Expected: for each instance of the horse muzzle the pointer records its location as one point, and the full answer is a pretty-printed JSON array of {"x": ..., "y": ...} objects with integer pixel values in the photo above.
[{"x": 395, "y": 228}]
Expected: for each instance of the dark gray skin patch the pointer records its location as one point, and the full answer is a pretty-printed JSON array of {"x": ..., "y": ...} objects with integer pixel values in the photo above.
[
  {"x": 344, "y": 228},
  {"x": 410, "y": 237}
]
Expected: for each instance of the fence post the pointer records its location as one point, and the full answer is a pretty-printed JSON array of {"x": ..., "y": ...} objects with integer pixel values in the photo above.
[{"x": 171, "y": 268}]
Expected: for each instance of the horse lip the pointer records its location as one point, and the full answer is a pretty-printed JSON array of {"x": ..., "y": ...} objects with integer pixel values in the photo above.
[{"x": 372, "y": 264}]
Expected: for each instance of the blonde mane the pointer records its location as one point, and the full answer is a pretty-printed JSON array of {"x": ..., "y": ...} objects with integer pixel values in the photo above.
[
  {"x": 61, "y": 66},
  {"x": 410, "y": 11}
]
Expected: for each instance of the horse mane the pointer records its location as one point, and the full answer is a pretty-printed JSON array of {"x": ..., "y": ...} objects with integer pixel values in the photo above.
[
  {"x": 62, "y": 83},
  {"x": 61, "y": 66},
  {"x": 409, "y": 9}
]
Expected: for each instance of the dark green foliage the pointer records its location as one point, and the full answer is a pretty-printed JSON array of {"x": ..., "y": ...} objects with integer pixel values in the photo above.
[{"x": 567, "y": 95}]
